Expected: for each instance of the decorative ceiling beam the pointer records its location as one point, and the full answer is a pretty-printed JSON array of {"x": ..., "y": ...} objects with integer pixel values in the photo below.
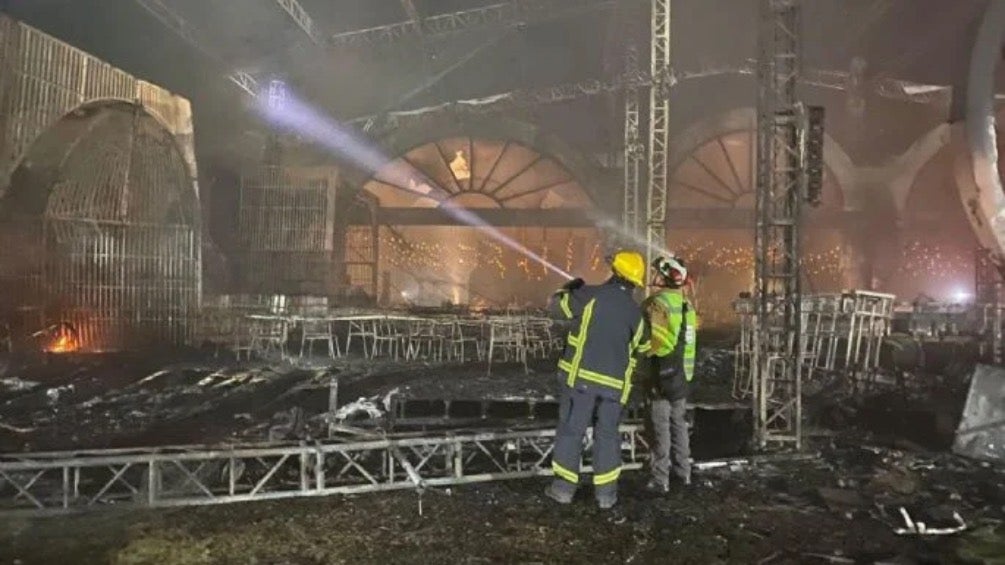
[
  {"x": 301, "y": 18},
  {"x": 504, "y": 14}
]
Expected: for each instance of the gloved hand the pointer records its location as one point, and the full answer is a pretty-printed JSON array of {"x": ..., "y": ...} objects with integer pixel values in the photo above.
[{"x": 573, "y": 284}]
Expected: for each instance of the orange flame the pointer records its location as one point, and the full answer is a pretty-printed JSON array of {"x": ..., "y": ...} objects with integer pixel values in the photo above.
[{"x": 65, "y": 343}]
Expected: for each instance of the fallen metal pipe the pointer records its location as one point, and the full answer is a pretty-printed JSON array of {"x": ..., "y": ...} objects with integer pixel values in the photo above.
[{"x": 921, "y": 529}]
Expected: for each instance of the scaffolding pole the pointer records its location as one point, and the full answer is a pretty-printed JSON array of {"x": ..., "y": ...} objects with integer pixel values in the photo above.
[
  {"x": 659, "y": 128},
  {"x": 634, "y": 150},
  {"x": 780, "y": 127}
]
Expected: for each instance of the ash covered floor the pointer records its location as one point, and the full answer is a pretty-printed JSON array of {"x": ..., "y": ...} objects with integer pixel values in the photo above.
[
  {"x": 78, "y": 402},
  {"x": 842, "y": 507},
  {"x": 871, "y": 456}
]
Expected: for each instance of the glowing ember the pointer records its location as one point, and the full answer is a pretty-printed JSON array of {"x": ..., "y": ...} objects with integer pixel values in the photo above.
[{"x": 65, "y": 342}]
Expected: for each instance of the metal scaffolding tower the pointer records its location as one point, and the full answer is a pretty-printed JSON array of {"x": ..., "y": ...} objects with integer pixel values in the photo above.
[
  {"x": 780, "y": 179},
  {"x": 634, "y": 150},
  {"x": 659, "y": 127}
]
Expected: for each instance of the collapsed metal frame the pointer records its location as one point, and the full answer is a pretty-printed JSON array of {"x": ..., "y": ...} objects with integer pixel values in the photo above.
[
  {"x": 840, "y": 332},
  {"x": 59, "y": 482},
  {"x": 777, "y": 342}
]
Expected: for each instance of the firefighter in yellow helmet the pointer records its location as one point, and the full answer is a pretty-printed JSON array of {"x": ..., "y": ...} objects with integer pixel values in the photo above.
[{"x": 595, "y": 375}]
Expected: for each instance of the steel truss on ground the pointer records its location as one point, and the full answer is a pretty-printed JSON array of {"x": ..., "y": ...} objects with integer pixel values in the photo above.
[
  {"x": 41, "y": 483},
  {"x": 778, "y": 344}
]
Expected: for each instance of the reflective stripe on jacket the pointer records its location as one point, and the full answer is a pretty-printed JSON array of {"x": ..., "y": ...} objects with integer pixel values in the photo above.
[
  {"x": 607, "y": 331},
  {"x": 672, "y": 324}
]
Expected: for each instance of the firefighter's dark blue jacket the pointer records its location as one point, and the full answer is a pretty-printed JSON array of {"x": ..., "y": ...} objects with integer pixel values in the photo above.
[{"x": 607, "y": 331}]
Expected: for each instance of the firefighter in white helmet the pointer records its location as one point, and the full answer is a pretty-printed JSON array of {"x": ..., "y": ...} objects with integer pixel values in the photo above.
[{"x": 669, "y": 369}]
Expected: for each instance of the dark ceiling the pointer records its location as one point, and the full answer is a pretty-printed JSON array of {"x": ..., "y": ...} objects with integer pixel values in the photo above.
[{"x": 922, "y": 40}]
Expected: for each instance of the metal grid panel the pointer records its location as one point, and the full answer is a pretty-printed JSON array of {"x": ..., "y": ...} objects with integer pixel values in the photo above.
[
  {"x": 285, "y": 222},
  {"x": 123, "y": 285},
  {"x": 42, "y": 79},
  {"x": 119, "y": 254},
  {"x": 111, "y": 243},
  {"x": 49, "y": 78},
  {"x": 361, "y": 258}
]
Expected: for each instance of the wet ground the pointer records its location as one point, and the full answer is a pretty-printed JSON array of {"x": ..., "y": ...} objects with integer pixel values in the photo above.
[{"x": 840, "y": 507}]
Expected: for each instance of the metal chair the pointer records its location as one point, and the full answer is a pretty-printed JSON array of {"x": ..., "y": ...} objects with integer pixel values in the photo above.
[
  {"x": 389, "y": 334},
  {"x": 269, "y": 335},
  {"x": 507, "y": 335},
  {"x": 312, "y": 331}
]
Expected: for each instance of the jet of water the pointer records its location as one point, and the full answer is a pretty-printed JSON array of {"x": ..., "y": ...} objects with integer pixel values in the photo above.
[
  {"x": 609, "y": 225},
  {"x": 296, "y": 116}
]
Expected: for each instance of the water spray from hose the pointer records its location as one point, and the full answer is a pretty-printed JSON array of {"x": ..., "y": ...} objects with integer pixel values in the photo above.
[{"x": 298, "y": 117}]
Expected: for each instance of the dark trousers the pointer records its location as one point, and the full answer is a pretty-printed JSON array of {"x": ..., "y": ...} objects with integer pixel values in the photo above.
[
  {"x": 577, "y": 407},
  {"x": 671, "y": 449}
]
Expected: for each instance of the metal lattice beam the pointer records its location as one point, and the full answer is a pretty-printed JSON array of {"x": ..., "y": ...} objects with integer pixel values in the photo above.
[
  {"x": 46, "y": 483},
  {"x": 245, "y": 82},
  {"x": 659, "y": 128},
  {"x": 634, "y": 150},
  {"x": 302, "y": 19},
  {"x": 778, "y": 344},
  {"x": 504, "y": 14}
]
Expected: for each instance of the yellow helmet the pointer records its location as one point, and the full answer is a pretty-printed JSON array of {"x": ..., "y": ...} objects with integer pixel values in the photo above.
[{"x": 629, "y": 265}]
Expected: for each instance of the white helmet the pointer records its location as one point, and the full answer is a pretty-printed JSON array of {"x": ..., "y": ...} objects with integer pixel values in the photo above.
[{"x": 672, "y": 270}]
